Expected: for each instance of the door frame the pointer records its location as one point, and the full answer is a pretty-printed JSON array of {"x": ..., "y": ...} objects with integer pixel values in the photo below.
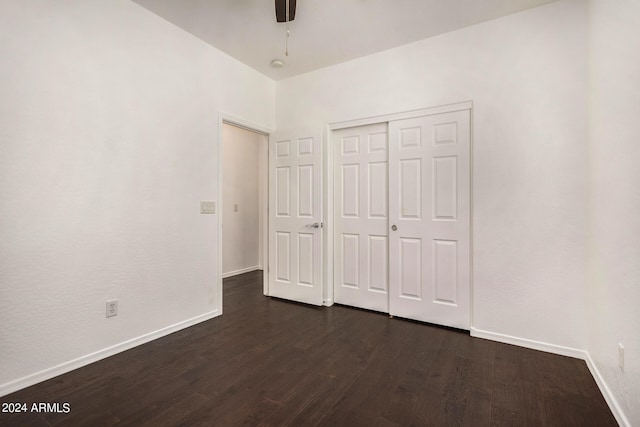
[
  {"x": 329, "y": 171},
  {"x": 224, "y": 118}
]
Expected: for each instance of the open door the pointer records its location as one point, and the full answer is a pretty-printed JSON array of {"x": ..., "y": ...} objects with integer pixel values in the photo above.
[{"x": 295, "y": 215}]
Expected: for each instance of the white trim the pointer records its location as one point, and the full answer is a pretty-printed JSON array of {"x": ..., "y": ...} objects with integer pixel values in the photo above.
[
  {"x": 241, "y": 271},
  {"x": 471, "y": 217},
  {"x": 244, "y": 124},
  {"x": 616, "y": 410},
  {"x": 535, "y": 345},
  {"x": 69, "y": 366},
  {"x": 328, "y": 216},
  {"x": 468, "y": 105}
]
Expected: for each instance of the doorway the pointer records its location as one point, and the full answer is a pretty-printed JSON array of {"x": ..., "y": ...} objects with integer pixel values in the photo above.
[{"x": 243, "y": 199}]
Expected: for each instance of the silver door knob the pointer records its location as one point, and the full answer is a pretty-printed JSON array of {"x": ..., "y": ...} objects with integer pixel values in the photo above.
[
  {"x": 394, "y": 227},
  {"x": 314, "y": 225}
]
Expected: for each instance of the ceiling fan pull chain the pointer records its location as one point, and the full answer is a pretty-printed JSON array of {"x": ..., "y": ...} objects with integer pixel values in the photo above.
[{"x": 286, "y": 40}]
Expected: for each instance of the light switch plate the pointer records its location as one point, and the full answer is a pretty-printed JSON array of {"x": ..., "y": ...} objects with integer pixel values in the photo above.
[{"x": 207, "y": 207}]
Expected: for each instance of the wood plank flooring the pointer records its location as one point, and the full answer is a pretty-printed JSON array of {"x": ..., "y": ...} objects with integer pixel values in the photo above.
[{"x": 267, "y": 362}]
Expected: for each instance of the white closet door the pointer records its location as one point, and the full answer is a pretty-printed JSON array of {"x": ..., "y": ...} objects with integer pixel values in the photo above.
[
  {"x": 361, "y": 248},
  {"x": 429, "y": 218},
  {"x": 295, "y": 215}
]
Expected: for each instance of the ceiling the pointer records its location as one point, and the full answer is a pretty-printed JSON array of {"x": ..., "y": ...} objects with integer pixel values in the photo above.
[{"x": 324, "y": 32}]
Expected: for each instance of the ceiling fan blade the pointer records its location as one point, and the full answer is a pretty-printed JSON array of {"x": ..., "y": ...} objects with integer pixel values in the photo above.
[{"x": 281, "y": 10}]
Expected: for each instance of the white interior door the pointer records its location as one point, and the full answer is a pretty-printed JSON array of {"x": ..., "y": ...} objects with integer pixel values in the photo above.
[
  {"x": 361, "y": 247},
  {"x": 295, "y": 215},
  {"x": 429, "y": 217}
]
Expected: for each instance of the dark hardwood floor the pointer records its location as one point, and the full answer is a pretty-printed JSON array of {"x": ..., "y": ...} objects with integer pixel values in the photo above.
[{"x": 267, "y": 362}]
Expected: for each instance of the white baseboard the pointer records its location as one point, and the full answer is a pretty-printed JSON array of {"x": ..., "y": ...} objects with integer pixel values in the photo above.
[
  {"x": 606, "y": 392},
  {"x": 241, "y": 271},
  {"x": 535, "y": 345},
  {"x": 65, "y": 367}
]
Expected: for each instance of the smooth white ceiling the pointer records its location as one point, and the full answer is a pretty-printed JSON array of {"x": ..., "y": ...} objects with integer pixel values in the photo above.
[{"x": 324, "y": 32}]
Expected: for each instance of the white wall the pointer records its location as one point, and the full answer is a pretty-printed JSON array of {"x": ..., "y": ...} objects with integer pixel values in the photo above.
[
  {"x": 108, "y": 142},
  {"x": 614, "y": 156},
  {"x": 108, "y": 125},
  {"x": 526, "y": 75},
  {"x": 240, "y": 181}
]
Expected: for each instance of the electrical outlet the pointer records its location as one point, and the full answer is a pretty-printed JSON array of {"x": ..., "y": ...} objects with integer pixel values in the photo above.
[
  {"x": 621, "y": 356},
  {"x": 112, "y": 308}
]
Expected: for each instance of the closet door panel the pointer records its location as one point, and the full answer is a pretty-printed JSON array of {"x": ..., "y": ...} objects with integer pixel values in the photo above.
[
  {"x": 429, "y": 218},
  {"x": 361, "y": 244}
]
